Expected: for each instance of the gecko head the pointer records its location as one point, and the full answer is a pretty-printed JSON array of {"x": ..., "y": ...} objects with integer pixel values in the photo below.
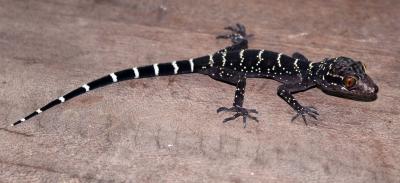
[{"x": 347, "y": 78}]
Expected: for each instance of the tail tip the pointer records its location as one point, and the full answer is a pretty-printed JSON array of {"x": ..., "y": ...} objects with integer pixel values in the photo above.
[{"x": 18, "y": 122}]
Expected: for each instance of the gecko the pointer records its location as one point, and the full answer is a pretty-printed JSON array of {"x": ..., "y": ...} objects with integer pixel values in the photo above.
[{"x": 339, "y": 76}]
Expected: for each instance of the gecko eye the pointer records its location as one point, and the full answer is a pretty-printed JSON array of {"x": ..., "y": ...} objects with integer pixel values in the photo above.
[{"x": 350, "y": 81}]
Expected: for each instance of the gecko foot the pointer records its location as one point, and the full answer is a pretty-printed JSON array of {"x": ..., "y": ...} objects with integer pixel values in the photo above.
[
  {"x": 308, "y": 110},
  {"x": 240, "y": 111},
  {"x": 238, "y": 34}
]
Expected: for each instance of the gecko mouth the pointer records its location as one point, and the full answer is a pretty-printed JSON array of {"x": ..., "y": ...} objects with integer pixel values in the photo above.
[{"x": 367, "y": 97}]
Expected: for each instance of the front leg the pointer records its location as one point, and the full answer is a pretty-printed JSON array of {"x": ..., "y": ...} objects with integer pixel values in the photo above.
[
  {"x": 285, "y": 91},
  {"x": 238, "y": 104}
]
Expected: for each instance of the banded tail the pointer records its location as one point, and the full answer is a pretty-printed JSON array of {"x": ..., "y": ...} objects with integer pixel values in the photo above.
[{"x": 162, "y": 69}]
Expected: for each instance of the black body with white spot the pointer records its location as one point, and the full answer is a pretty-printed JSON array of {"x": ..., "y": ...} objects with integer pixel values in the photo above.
[{"x": 339, "y": 76}]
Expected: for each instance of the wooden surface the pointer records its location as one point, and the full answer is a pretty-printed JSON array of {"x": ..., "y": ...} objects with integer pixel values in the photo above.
[{"x": 166, "y": 129}]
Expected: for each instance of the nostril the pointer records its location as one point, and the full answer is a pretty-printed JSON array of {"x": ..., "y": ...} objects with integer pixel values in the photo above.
[{"x": 376, "y": 89}]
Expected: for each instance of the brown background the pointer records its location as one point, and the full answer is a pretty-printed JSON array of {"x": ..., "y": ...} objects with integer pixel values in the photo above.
[{"x": 166, "y": 129}]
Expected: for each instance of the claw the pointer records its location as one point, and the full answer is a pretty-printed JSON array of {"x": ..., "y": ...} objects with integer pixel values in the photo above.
[
  {"x": 231, "y": 118},
  {"x": 305, "y": 120},
  {"x": 222, "y": 109},
  {"x": 252, "y": 111},
  {"x": 223, "y": 37},
  {"x": 313, "y": 110},
  {"x": 239, "y": 28},
  {"x": 312, "y": 107},
  {"x": 295, "y": 116},
  {"x": 310, "y": 111},
  {"x": 313, "y": 116},
  {"x": 239, "y": 111},
  {"x": 253, "y": 118},
  {"x": 244, "y": 122}
]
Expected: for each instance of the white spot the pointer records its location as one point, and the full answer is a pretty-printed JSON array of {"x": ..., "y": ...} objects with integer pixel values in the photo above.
[
  {"x": 224, "y": 58},
  {"x": 191, "y": 65},
  {"x": 259, "y": 56},
  {"x": 296, "y": 67},
  {"x": 156, "y": 70},
  {"x": 170, "y": 145},
  {"x": 86, "y": 87},
  {"x": 61, "y": 99},
  {"x": 309, "y": 69},
  {"x": 241, "y": 56},
  {"x": 22, "y": 120},
  {"x": 39, "y": 111},
  {"x": 211, "y": 62},
  {"x": 279, "y": 60},
  {"x": 176, "y": 68},
  {"x": 114, "y": 77}
]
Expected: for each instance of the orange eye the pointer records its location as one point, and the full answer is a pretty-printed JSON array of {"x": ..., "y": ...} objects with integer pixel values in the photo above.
[{"x": 349, "y": 81}]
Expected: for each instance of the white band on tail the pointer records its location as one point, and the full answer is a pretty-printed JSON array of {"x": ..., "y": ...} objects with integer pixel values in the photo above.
[
  {"x": 136, "y": 72},
  {"x": 156, "y": 70},
  {"x": 176, "y": 68},
  {"x": 114, "y": 77},
  {"x": 87, "y": 88}
]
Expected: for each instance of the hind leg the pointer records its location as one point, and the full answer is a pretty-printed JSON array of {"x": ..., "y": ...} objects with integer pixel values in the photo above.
[
  {"x": 237, "y": 107},
  {"x": 238, "y": 37},
  {"x": 239, "y": 80}
]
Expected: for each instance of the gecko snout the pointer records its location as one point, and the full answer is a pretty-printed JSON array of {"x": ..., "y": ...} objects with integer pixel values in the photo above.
[{"x": 376, "y": 89}]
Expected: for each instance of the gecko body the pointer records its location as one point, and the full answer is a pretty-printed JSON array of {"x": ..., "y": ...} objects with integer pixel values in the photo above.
[{"x": 340, "y": 76}]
